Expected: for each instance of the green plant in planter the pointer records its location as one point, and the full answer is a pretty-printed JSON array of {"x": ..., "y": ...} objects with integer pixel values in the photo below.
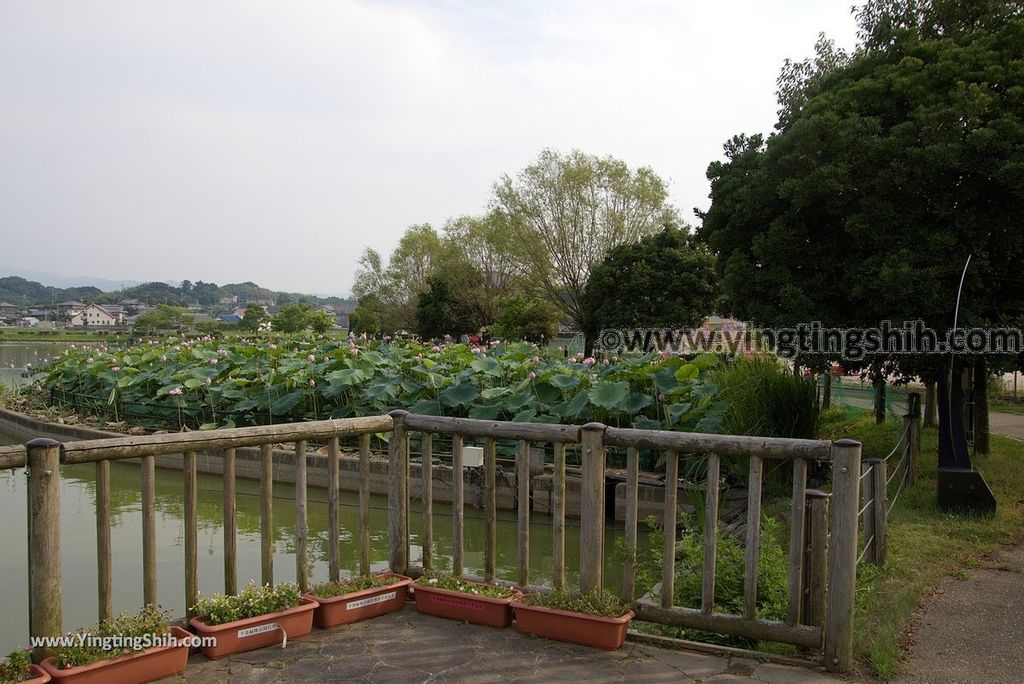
[
  {"x": 14, "y": 668},
  {"x": 254, "y": 600},
  {"x": 601, "y": 603},
  {"x": 351, "y": 585},
  {"x": 149, "y": 621},
  {"x": 451, "y": 583}
]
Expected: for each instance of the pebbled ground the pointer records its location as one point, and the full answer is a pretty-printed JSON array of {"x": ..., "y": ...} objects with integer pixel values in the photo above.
[{"x": 407, "y": 647}]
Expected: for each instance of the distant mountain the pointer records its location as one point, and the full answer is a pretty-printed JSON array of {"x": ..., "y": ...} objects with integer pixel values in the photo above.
[
  {"x": 63, "y": 281},
  {"x": 22, "y": 292}
]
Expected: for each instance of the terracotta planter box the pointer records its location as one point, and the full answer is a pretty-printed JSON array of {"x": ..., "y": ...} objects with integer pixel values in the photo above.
[
  {"x": 361, "y": 605},
  {"x": 146, "y": 666},
  {"x": 455, "y": 605},
  {"x": 271, "y": 629},
  {"x": 575, "y": 628},
  {"x": 39, "y": 675}
]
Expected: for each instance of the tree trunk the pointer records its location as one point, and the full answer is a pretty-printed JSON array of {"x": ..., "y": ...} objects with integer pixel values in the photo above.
[
  {"x": 879, "y": 400},
  {"x": 826, "y": 390},
  {"x": 930, "y": 404},
  {"x": 981, "y": 441}
]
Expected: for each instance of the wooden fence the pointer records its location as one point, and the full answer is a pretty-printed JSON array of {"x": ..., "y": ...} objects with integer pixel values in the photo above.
[{"x": 823, "y": 542}]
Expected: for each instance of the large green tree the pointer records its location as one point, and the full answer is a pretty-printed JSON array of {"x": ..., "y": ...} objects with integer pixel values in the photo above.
[
  {"x": 889, "y": 167},
  {"x": 666, "y": 280},
  {"x": 397, "y": 284},
  {"x": 570, "y": 210}
]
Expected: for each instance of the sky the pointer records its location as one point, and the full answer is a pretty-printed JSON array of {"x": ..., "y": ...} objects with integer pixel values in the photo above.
[{"x": 274, "y": 141}]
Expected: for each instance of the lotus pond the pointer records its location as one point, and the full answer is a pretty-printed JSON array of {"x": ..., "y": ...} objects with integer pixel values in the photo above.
[{"x": 207, "y": 383}]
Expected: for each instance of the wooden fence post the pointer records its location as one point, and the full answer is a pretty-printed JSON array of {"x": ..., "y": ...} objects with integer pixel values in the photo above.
[
  {"x": 879, "y": 512},
  {"x": 44, "y": 574},
  {"x": 913, "y": 434},
  {"x": 592, "y": 512},
  {"x": 815, "y": 558},
  {"x": 826, "y": 389},
  {"x": 842, "y": 561},
  {"x": 398, "y": 493}
]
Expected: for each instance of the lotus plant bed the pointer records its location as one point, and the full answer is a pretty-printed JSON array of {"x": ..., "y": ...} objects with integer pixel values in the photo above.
[
  {"x": 358, "y": 598},
  {"x": 18, "y": 669},
  {"x": 453, "y": 598},
  {"x": 593, "y": 619},
  {"x": 208, "y": 383},
  {"x": 129, "y": 649},
  {"x": 258, "y": 616}
]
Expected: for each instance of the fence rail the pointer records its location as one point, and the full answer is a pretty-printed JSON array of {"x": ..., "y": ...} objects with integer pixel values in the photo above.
[{"x": 821, "y": 580}]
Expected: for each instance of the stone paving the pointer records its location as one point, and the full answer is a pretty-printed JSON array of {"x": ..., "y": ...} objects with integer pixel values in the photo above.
[{"x": 408, "y": 647}]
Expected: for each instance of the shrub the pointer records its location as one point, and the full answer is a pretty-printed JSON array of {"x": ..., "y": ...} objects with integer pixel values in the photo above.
[
  {"x": 253, "y": 601},
  {"x": 14, "y": 667},
  {"x": 602, "y": 603},
  {"x": 761, "y": 397},
  {"x": 451, "y": 583},
  {"x": 350, "y": 586},
  {"x": 149, "y": 621},
  {"x": 772, "y": 576}
]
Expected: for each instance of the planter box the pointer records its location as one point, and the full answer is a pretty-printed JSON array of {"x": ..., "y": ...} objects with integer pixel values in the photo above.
[
  {"x": 39, "y": 675},
  {"x": 146, "y": 666},
  {"x": 272, "y": 629},
  {"x": 455, "y": 605},
  {"x": 361, "y": 605},
  {"x": 575, "y": 628}
]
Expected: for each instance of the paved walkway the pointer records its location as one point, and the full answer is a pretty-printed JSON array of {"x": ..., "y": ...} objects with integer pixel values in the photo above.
[
  {"x": 408, "y": 647},
  {"x": 971, "y": 631},
  {"x": 1008, "y": 424}
]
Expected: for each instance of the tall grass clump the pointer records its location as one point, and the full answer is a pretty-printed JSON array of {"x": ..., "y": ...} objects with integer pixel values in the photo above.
[{"x": 761, "y": 397}]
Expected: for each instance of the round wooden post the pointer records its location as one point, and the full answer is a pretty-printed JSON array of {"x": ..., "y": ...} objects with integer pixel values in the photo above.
[
  {"x": 842, "y": 561},
  {"x": 592, "y": 512},
  {"x": 44, "y": 573},
  {"x": 398, "y": 494}
]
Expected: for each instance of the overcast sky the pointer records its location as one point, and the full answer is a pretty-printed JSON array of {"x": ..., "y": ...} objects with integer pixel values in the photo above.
[{"x": 273, "y": 141}]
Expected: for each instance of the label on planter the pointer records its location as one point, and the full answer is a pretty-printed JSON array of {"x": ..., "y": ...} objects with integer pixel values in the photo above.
[
  {"x": 259, "y": 629},
  {"x": 362, "y": 603},
  {"x": 468, "y": 604}
]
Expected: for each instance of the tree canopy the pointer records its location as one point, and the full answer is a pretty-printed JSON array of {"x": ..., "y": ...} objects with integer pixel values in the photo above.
[
  {"x": 887, "y": 169},
  {"x": 571, "y": 210},
  {"x": 666, "y": 280}
]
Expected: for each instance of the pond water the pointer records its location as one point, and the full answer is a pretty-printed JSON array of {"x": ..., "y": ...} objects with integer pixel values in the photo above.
[
  {"x": 78, "y": 541},
  {"x": 15, "y": 356}
]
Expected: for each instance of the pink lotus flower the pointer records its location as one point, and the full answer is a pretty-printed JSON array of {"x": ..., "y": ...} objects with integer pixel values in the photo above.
[
  {"x": 311, "y": 358},
  {"x": 536, "y": 359},
  {"x": 209, "y": 381},
  {"x": 606, "y": 362},
  {"x": 531, "y": 375},
  {"x": 89, "y": 360},
  {"x": 175, "y": 392},
  {"x": 436, "y": 348},
  {"x": 213, "y": 362},
  {"x": 272, "y": 346},
  {"x": 312, "y": 382},
  {"x": 115, "y": 368},
  {"x": 661, "y": 397},
  {"x": 589, "y": 361}
]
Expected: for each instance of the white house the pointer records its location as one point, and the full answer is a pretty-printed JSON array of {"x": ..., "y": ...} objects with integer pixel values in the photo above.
[{"x": 95, "y": 315}]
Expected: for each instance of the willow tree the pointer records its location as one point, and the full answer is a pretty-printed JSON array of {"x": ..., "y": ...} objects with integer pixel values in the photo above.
[{"x": 571, "y": 210}]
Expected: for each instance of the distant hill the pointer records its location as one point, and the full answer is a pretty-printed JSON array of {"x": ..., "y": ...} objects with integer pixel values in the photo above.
[
  {"x": 19, "y": 291},
  {"x": 65, "y": 282}
]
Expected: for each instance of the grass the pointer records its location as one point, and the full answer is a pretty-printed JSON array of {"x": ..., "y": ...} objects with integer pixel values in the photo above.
[
  {"x": 924, "y": 543},
  {"x": 1006, "y": 407}
]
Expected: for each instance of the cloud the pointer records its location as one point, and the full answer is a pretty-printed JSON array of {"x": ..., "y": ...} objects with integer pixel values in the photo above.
[{"x": 272, "y": 142}]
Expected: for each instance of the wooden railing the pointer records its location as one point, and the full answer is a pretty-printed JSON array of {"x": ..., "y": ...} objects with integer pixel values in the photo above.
[{"x": 820, "y": 591}]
